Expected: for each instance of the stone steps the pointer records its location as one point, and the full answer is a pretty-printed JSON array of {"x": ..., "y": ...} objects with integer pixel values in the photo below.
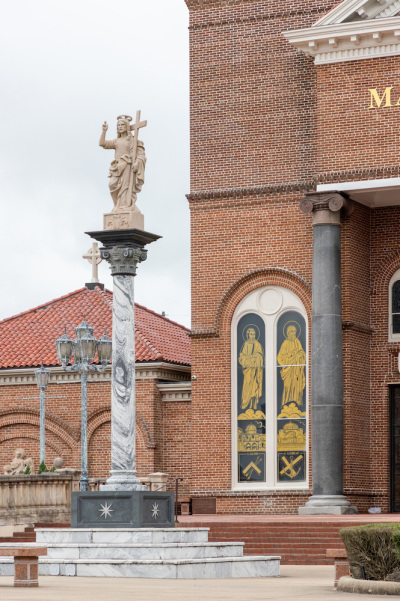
[
  {"x": 130, "y": 536},
  {"x": 144, "y": 553},
  {"x": 140, "y": 551},
  {"x": 229, "y": 567}
]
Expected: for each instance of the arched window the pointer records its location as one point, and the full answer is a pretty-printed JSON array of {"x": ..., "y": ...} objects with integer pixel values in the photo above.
[
  {"x": 269, "y": 391},
  {"x": 394, "y": 307}
]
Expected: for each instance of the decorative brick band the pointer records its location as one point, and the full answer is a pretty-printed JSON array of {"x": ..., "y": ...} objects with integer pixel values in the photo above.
[
  {"x": 266, "y": 17},
  {"x": 356, "y": 326},
  {"x": 358, "y": 174},
  {"x": 255, "y": 278},
  {"x": 202, "y": 195}
]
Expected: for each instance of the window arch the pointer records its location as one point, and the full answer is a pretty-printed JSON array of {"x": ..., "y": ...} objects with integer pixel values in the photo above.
[
  {"x": 394, "y": 307},
  {"x": 269, "y": 391}
]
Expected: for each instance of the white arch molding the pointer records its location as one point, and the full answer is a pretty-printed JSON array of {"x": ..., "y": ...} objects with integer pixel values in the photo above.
[{"x": 269, "y": 303}]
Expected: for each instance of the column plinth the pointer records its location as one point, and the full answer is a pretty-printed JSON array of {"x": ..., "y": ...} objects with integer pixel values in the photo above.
[
  {"x": 326, "y": 356},
  {"x": 123, "y": 250}
]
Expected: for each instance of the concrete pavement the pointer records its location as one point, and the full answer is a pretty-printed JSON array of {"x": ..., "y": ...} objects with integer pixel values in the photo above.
[{"x": 297, "y": 583}]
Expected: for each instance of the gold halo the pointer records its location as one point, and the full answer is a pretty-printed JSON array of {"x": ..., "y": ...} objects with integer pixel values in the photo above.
[
  {"x": 251, "y": 325},
  {"x": 285, "y": 327}
]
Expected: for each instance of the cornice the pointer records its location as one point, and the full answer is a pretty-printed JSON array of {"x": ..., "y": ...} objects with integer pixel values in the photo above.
[
  {"x": 144, "y": 371},
  {"x": 342, "y": 42},
  {"x": 181, "y": 392}
]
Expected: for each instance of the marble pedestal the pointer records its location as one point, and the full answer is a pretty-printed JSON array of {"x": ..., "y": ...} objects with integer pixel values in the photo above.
[
  {"x": 124, "y": 220},
  {"x": 122, "y": 509}
]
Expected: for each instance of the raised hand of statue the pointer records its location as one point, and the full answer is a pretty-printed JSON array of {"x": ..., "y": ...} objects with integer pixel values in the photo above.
[{"x": 105, "y": 126}]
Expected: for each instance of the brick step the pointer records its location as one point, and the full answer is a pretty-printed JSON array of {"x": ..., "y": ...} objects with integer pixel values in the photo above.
[{"x": 296, "y": 543}]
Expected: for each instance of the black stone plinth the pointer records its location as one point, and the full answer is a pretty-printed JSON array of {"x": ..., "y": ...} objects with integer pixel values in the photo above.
[
  {"x": 122, "y": 509},
  {"x": 129, "y": 238},
  {"x": 94, "y": 285}
]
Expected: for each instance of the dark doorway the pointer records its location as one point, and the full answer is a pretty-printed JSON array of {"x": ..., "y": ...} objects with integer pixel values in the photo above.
[{"x": 395, "y": 448}]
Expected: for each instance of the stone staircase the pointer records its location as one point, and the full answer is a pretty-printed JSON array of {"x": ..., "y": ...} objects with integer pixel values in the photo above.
[{"x": 144, "y": 553}]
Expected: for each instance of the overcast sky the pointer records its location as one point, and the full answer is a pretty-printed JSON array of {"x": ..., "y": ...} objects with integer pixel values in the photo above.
[{"x": 65, "y": 68}]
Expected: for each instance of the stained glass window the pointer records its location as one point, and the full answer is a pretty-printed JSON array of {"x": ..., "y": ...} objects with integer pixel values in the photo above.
[{"x": 396, "y": 307}]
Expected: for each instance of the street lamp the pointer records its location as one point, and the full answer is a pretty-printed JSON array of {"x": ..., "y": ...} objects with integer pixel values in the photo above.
[
  {"x": 42, "y": 380},
  {"x": 84, "y": 350}
]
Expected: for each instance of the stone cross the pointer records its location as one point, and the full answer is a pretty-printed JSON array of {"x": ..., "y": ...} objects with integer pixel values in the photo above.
[{"x": 93, "y": 256}]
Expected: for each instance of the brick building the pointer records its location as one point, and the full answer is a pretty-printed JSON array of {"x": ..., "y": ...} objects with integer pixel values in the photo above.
[
  {"x": 295, "y": 174},
  {"x": 295, "y": 215},
  {"x": 162, "y": 388}
]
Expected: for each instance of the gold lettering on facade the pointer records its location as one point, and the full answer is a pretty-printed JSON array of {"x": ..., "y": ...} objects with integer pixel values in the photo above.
[{"x": 379, "y": 100}]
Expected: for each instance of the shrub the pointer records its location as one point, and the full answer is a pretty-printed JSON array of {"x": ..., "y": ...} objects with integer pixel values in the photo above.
[
  {"x": 373, "y": 548},
  {"x": 27, "y": 470},
  {"x": 42, "y": 468}
]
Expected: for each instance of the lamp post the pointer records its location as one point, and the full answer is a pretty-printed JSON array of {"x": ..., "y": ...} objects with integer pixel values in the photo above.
[
  {"x": 83, "y": 350},
  {"x": 42, "y": 380}
]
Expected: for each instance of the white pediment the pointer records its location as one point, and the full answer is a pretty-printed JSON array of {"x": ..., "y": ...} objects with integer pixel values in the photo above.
[
  {"x": 360, "y": 10},
  {"x": 353, "y": 30}
]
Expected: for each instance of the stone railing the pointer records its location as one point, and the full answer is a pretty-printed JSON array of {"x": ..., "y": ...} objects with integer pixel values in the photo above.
[{"x": 44, "y": 498}]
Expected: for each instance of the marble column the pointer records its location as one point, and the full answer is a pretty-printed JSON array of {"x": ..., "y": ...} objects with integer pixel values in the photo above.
[
  {"x": 326, "y": 357},
  {"x": 123, "y": 250}
]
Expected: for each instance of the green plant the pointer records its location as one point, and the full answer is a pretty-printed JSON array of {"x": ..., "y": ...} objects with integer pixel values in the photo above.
[
  {"x": 42, "y": 468},
  {"x": 53, "y": 469},
  {"x": 372, "y": 548},
  {"x": 27, "y": 469}
]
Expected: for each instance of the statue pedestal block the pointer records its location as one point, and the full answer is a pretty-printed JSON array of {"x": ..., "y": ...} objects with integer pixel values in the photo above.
[
  {"x": 124, "y": 220},
  {"x": 122, "y": 509}
]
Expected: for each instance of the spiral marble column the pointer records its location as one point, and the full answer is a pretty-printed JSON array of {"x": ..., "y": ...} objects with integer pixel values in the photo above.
[{"x": 123, "y": 250}]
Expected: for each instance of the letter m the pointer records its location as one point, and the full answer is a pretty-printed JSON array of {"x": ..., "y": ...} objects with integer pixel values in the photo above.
[{"x": 386, "y": 97}]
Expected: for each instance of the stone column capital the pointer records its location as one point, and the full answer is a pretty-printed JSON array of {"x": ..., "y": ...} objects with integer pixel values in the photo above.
[
  {"x": 326, "y": 207},
  {"x": 123, "y": 260}
]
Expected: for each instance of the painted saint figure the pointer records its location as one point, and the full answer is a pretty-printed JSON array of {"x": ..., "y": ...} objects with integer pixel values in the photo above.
[
  {"x": 251, "y": 359},
  {"x": 292, "y": 358},
  {"x": 127, "y": 168}
]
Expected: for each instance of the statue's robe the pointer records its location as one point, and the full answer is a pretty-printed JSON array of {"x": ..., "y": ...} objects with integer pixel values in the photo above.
[
  {"x": 292, "y": 357},
  {"x": 120, "y": 172},
  {"x": 251, "y": 359}
]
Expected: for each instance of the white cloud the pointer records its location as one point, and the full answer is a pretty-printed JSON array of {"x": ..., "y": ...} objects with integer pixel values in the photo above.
[{"x": 66, "y": 68}]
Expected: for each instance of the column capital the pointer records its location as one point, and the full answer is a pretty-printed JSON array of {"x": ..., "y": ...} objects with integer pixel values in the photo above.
[
  {"x": 123, "y": 260},
  {"x": 326, "y": 207}
]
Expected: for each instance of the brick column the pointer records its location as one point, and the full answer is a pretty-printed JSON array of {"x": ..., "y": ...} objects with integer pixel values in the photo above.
[{"x": 326, "y": 356}]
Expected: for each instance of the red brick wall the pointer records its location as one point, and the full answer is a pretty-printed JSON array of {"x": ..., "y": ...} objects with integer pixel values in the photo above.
[
  {"x": 266, "y": 125},
  {"x": 352, "y": 137},
  {"x": 19, "y": 427},
  {"x": 177, "y": 438}
]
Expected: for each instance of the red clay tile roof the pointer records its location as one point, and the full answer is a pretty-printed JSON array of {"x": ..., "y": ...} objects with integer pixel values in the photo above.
[{"x": 29, "y": 338}]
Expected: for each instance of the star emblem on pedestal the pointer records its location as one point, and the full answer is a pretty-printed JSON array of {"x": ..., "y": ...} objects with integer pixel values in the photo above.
[
  {"x": 106, "y": 510},
  {"x": 155, "y": 511}
]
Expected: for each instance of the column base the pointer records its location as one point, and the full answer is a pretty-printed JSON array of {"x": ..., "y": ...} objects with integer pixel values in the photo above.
[
  {"x": 123, "y": 480},
  {"x": 327, "y": 505}
]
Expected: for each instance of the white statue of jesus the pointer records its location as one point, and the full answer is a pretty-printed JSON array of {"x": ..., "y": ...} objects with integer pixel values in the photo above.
[{"x": 127, "y": 168}]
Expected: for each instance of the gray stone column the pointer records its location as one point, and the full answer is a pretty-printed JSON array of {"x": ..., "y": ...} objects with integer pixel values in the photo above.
[
  {"x": 123, "y": 250},
  {"x": 326, "y": 357}
]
